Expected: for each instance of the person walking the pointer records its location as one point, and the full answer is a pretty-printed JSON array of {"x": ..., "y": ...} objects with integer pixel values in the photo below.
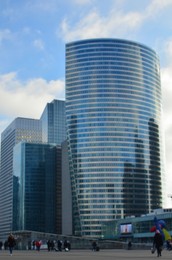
[
  {"x": 11, "y": 243},
  {"x": 49, "y": 245},
  {"x": 33, "y": 245},
  {"x": 38, "y": 245},
  {"x": 65, "y": 245},
  {"x": 158, "y": 242},
  {"x": 59, "y": 245},
  {"x": 129, "y": 245},
  {"x": 68, "y": 245},
  {"x": 94, "y": 246},
  {"x": 6, "y": 244}
]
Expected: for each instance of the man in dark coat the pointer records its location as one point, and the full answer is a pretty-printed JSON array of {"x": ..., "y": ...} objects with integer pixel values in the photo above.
[
  {"x": 158, "y": 242},
  {"x": 11, "y": 243}
]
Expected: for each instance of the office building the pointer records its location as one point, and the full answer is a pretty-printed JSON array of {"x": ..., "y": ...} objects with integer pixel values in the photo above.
[
  {"x": 113, "y": 113},
  {"x": 21, "y": 129},
  {"x": 37, "y": 174},
  {"x": 53, "y": 122}
]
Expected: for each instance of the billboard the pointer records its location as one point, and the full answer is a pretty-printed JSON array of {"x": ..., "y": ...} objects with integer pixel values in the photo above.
[{"x": 126, "y": 229}]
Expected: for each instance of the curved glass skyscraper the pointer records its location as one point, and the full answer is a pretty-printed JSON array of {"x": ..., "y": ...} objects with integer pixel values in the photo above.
[{"x": 113, "y": 110}]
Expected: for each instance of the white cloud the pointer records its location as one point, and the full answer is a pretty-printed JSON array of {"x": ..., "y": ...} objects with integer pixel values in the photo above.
[
  {"x": 167, "y": 46},
  {"x": 26, "y": 30},
  {"x": 157, "y": 6},
  {"x": 93, "y": 25},
  {"x": 82, "y": 2},
  {"x": 41, "y": 6},
  {"x": 166, "y": 80},
  {"x": 5, "y": 35},
  {"x": 117, "y": 22},
  {"x": 27, "y": 99},
  {"x": 39, "y": 44},
  {"x": 4, "y": 124}
]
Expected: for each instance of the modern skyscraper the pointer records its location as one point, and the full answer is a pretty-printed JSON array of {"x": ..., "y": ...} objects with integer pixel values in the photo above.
[
  {"x": 21, "y": 129},
  {"x": 35, "y": 182},
  {"x": 113, "y": 111},
  {"x": 53, "y": 122}
]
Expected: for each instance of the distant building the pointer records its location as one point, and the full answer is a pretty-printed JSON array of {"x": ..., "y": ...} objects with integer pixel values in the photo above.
[
  {"x": 21, "y": 129},
  {"x": 54, "y": 132},
  {"x": 53, "y": 122},
  {"x": 37, "y": 174},
  {"x": 136, "y": 229},
  {"x": 113, "y": 113}
]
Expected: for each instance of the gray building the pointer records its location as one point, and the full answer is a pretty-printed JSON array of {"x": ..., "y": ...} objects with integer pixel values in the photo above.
[
  {"x": 21, "y": 129},
  {"x": 53, "y": 122},
  {"x": 113, "y": 113}
]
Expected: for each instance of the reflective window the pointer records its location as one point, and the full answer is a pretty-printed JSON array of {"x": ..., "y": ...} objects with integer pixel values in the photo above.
[{"x": 113, "y": 112}]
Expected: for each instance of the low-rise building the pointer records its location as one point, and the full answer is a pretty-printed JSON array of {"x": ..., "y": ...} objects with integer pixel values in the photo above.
[{"x": 136, "y": 229}]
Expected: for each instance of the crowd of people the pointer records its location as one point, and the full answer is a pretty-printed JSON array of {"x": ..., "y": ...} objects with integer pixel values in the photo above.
[
  {"x": 52, "y": 245},
  {"x": 59, "y": 245}
]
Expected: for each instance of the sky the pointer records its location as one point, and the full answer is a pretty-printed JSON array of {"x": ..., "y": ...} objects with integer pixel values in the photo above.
[{"x": 33, "y": 34}]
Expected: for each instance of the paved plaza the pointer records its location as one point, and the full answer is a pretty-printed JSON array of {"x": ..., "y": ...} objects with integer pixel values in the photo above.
[{"x": 116, "y": 254}]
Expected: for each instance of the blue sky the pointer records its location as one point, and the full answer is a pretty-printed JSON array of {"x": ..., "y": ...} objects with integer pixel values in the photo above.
[{"x": 33, "y": 34}]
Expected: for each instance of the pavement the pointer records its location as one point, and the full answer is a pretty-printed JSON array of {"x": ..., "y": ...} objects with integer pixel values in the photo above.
[{"x": 106, "y": 254}]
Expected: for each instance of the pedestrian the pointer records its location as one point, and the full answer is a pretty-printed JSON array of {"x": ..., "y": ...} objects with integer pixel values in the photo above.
[
  {"x": 59, "y": 245},
  {"x": 1, "y": 244},
  {"x": 94, "y": 246},
  {"x": 158, "y": 242},
  {"x": 52, "y": 245},
  {"x": 38, "y": 245},
  {"x": 6, "y": 244},
  {"x": 65, "y": 245},
  {"x": 49, "y": 245},
  {"x": 11, "y": 243},
  {"x": 129, "y": 245},
  {"x": 68, "y": 245},
  {"x": 33, "y": 245}
]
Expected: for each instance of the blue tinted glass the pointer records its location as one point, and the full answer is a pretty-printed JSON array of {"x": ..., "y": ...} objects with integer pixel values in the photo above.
[{"x": 113, "y": 112}]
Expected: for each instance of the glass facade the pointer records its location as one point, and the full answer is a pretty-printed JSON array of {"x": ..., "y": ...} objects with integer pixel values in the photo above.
[
  {"x": 35, "y": 182},
  {"x": 113, "y": 113},
  {"x": 136, "y": 229},
  {"x": 21, "y": 129},
  {"x": 53, "y": 122}
]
